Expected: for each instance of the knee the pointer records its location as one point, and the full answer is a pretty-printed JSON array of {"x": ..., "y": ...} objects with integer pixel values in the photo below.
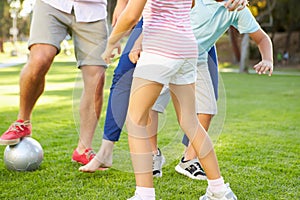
[
  {"x": 186, "y": 124},
  {"x": 137, "y": 118},
  {"x": 136, "y": 127},
  {"x": 39, "y": 63}
]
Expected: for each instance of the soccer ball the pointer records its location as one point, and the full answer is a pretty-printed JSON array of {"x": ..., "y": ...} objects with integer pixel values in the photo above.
[{"x": 27, "y": 155}]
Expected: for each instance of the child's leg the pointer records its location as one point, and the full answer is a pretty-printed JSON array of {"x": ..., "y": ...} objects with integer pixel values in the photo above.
[
  {"x": 183, "y": 97},
  {"x": 204, "y": 120},
  {"x": 152, "y": 129},
  {"x": 117, "y": 106},
  {"x": 142, "y": 97}
]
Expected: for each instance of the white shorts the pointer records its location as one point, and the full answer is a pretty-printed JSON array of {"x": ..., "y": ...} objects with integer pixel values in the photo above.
[
  {"x": 205, "y": 97},
  {"x": 166, "y": 70}
]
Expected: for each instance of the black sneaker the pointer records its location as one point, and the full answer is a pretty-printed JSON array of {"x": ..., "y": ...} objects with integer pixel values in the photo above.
[{"x": 191, "y": 169}]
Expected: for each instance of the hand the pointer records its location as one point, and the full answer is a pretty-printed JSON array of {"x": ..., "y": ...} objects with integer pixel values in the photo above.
[
  {"x": 134, "y": 55},
  {"x": 264, "y": 66},
  {"x": 236, "y": 4},
  {"x": 108, "y": 53}
]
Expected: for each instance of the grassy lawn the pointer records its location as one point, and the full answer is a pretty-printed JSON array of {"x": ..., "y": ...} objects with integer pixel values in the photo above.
[{"x": 258, "y": 148}]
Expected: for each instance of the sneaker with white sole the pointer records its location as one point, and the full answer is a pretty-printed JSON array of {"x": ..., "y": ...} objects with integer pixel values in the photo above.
[
  {"x": 225, "y": 195},
  {"x": 135, "y": 197},
  {"x": 158, "y": 162},
  {"x": 16, "y": 132},
  {"x": 191, "y": 169}
]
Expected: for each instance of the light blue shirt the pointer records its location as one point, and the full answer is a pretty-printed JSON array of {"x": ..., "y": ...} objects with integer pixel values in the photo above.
[{"x": 210, "y": 20}]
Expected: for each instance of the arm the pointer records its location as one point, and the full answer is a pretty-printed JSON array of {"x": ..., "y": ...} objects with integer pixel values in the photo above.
[
  {"x": 235, "y": 4},
  {"x": 265, "y": 47},
  {"x": 125, "y": 23},
  {"x": 121, "y": 4},
  {"x": 136, "y": 50}
]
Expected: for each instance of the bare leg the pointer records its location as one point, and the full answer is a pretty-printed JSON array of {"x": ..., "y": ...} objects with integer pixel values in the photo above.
[
  {"x": 152, "y": 130},
  {"x": 137, "y": 122},
  {"x": 103, "y": 158},
  {"x": 32, "y": 78},
  {"x": 90, "y": 105},
  {"x": 183, "y": 97},
  {"x": 204, "y": 120}
]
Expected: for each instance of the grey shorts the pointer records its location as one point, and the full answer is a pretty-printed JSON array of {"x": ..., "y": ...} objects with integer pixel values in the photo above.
[
  {"x": 162, "y": 101},
  {"x": 51, "y": 26}
]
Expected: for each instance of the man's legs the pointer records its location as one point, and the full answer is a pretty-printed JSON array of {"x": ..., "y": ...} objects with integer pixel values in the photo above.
[
  {"x": 32, "y": 77},
  {"x": 90, "y": 108},
  {"x": 90, "y": 105},
  {"x": 32, "y": 83},
  {"x": 117, "y": 106}
]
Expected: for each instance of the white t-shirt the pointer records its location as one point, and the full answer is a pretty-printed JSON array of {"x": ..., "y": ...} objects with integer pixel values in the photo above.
[{"x": 84, "y": 10}]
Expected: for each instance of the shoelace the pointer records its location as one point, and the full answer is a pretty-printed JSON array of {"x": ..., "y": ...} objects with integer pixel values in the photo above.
[
  {"x": 17, "y": 126},
  {"x": 198, "y": 165},
  {"x": 89, "y": 153}
]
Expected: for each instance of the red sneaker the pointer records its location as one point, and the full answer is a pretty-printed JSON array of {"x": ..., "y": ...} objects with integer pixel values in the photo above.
[
  {"x": 15, "y": 132},
  {"x": 84, "y": 158}
]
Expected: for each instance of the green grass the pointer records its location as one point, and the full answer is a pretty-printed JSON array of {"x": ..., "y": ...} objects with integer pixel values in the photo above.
[{"x": 258, "y": 149}]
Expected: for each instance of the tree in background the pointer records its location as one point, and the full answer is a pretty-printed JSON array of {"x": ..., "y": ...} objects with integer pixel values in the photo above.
[
  {"x": 286, "y": 19},
  {"x": 110, "y": 9},
  {"x": 6, "y": 21},
  {"x": 3, "y": 22}
]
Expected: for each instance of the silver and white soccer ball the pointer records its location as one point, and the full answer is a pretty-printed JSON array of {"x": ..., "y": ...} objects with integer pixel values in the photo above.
[{"x": 27, "y": 155}]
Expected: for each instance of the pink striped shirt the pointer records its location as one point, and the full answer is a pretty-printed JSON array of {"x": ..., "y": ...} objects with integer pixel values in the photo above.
[{"x": 167, "y": 29}]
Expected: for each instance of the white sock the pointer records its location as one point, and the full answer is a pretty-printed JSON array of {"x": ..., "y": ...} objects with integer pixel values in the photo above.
[
  {"x": 145, "y": 193},
  {"x": 217, "y": 185}
]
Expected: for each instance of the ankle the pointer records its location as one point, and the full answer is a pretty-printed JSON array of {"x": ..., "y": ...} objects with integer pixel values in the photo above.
[
  {"x": 156, "y": 152},
  {"x": 145, "y": 193},
  {"x": 25, "y": 122},
  {"x": 81, "y": 150},
  {"x": 216, "y": 185}
]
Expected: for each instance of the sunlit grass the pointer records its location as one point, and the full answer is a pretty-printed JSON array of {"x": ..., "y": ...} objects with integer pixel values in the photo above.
[{"x": 258, "y": 149}]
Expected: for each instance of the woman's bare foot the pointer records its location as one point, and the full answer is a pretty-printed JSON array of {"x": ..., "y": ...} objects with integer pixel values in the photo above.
[
  {"x": 93, "y": 166},
  {"x": 102, "y": 160}
]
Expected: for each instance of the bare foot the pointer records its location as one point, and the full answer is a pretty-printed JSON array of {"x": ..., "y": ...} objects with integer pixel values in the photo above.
[{"x": 93, "y": 166}]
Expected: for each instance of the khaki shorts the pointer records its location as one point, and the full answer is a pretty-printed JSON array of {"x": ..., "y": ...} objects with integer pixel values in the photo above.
[
  {"x": 51, "y": 26},
  {"x": 205, "y": 97}
]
